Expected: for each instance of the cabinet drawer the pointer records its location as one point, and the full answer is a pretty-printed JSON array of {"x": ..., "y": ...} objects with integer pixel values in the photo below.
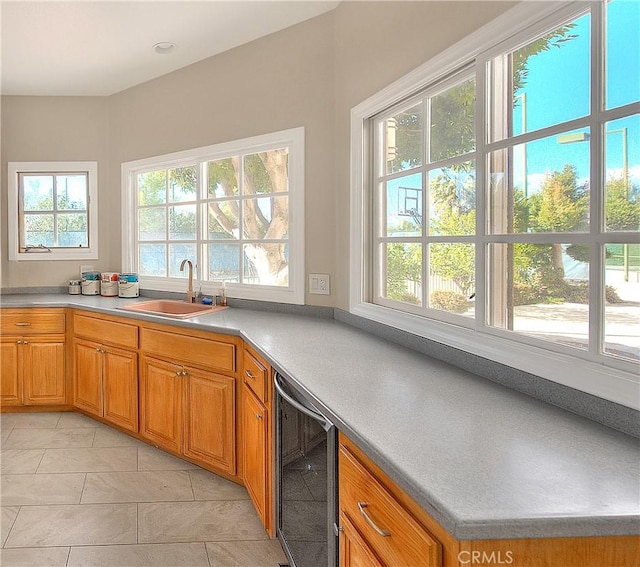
[
  {"x": 106, "y": 331},
  {"x": 191, "y": 350},
  {"x": 255, "y": 375},
  {"x": 31, "y": 321},
  {"x": 372, "y": 509}
]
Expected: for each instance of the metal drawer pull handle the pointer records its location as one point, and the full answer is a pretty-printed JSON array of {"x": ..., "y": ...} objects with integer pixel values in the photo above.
[
  {"x": 249, "y": 375},
  {"x": 361, "y": 507},
  {"x": 23, "y": 324}
]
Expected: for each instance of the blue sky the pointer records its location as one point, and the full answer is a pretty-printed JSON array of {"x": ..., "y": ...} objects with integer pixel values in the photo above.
[{"x": 557, "y": 89}]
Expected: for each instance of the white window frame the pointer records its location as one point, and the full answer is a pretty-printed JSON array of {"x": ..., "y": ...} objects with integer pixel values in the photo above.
[
  {"x": 294, "y": 140},
  {"x": 612, "y": 380},
  {"x": 52, "y": 167}
]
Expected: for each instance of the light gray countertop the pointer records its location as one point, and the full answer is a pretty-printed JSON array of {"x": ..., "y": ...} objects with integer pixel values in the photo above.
[{"x": 487, "y": 462}]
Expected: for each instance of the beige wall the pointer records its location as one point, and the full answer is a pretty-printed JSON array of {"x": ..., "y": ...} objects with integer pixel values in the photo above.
[
  {"x": 309, "y": 75},
  {"x": 56, "y": 129}
]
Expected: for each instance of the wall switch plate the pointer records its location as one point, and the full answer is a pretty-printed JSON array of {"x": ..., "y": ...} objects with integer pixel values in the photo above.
[{"x": 319, "y": 284}]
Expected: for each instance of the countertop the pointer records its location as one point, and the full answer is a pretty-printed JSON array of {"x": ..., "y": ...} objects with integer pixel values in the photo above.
[{"x": 485, "y": 461}]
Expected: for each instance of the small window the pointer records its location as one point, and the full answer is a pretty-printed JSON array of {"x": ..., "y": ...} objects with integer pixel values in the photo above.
[{"x": 55, "y": 206}]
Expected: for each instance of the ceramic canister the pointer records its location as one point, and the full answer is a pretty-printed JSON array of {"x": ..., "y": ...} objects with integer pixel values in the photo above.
[
  {"x": 74, "y": 287},
  {"x": 109, "y": 284},
  {"x": 90, "y": 283},
  {"x": 128, "y": 285}
]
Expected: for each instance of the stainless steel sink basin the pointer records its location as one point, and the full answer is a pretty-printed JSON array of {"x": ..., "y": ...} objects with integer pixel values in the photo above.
[{"x": 173, "y": 308}]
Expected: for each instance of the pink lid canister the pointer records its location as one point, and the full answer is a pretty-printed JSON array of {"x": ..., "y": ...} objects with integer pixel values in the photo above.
[{"x": 110, "y": 276}]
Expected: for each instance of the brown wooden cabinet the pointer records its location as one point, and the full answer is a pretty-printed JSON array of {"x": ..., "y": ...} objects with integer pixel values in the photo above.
[
  {"x": 411, "y": 537},
  {"x": 187, "y": 403},
  {"x": 378, "y": 525},
  {"x": 209, "y": 417},
  {"x": 11, "y": 382},
  {"x": 354, "y": 550},
  {"x": 105, "y": 377},
  {"x": 161, "y": 403},
  {"x": 33, "y": 357},
  {"x": 257, "y": 434}
]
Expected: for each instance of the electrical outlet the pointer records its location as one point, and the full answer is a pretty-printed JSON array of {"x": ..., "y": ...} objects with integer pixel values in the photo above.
[
  {"x": 319, "y": 284},
  {"x": 85, "y": 268}
]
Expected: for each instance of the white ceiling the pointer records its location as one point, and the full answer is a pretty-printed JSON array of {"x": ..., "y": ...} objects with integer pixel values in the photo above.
[{"x": 97, "y": 48}]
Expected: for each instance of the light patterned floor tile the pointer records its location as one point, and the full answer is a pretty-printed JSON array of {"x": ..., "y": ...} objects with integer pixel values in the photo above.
[
  {"x": 246, "y": 554},
  {"x": 146, "y": 486},
  {"x": 141, "y": 555},
  {"x": 8, "y": 516},
  {"x": 34, "y": 557},
  {"x": 4, "y": 433},
  {"x": 41, "y": 489},
  {"x": 89, "y": 459},
  {"x": 72, "y": 419},
  {"x": 8, "y": 420},
  {"x": 49, "y": 438},
  {"x": 129, "y": 481},
  {"x": 82, "y": 524},
  {"x": 166, "y": 522},
  {"x": 20, "y": 461},
  {"x": 152, "y": 459},
  {"x": 209, "y": 486},
  {"x": 107, "y": 437},
  {"x": 37, "y": 420}
]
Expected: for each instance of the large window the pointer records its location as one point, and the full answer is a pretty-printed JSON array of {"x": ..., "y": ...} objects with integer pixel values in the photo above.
[
  {"x": 53, "y": 208},
  {"x": 503, "y": 191},
  {"x": 235, "y": 210}
]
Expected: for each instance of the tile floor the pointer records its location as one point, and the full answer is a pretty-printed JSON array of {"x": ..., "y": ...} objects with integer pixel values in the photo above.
[{"x": 74, "y": 492}]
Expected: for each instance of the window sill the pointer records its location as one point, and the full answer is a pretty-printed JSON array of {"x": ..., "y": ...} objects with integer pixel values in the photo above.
[{"x": 612, "y": 384}]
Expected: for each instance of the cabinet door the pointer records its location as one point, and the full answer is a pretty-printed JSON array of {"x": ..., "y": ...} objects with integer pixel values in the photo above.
[
  {"x": 254, "y": 449},
  {"x": 43, "y": 370},
  {"x": 210, "y": 419},
  {"x": 120, "y": 388},
  {"x": 161, "y": 403},
  {"x": 10, "y": 384},
  {"x": 87, "y": 377},
  {"x": 354, "y": 551}
]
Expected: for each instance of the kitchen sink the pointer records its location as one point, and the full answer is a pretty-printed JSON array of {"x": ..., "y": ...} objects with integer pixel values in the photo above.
[{"x": 173, "y": 308}]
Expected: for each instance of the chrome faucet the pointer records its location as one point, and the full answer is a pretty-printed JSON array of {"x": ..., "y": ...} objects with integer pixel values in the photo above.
[{"x": 191, "y": 298}]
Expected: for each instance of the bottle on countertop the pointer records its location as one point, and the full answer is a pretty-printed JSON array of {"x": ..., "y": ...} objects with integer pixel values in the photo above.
[{"x": 223, "y": 295}]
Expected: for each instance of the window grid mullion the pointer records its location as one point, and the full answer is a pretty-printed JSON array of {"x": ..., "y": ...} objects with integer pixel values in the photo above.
[
  {"x": 167, "y": 221},
  {"x": 481, "y": 188},
  {"x": 426, "y": 205},
  {"x": 597, "y": 178},
  {"x": 241, "y": 198}
]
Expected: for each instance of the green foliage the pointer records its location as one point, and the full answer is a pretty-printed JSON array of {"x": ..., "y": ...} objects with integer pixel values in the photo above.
[
  {"x": 455, "y": 262},
  {"x": 579, "y": 252},
  {"x": 152, "y": 187},
  {"x": 222, "y": 175},
  {"x": 449, "y": 301},
  {"x": 622, "y": 208},
  {"x": 408, "y": 143},
  {"x": 452, "y": 121},
  {"x": 454, "y": 188},
  {"x": 404, "y": 264},
  {"x": 610, "y": 295},
  {"x": 561, "y": 205}
]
